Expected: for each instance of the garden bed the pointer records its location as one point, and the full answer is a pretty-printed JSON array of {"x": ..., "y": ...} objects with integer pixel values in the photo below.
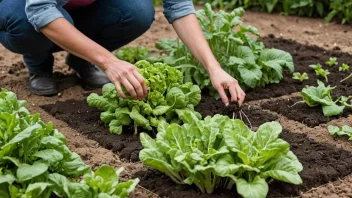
[
  {"x": 303, "y": 56},
  {"x": 86, "y": 120}
]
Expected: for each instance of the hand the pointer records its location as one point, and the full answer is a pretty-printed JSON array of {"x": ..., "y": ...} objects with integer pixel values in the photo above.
[
  {"x": 221, "y": 81},
  {"x": 121, "y": 72}
]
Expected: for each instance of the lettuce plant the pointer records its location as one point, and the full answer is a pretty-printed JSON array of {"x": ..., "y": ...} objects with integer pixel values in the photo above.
[
  {"x": 332, "y": 61},
  {"x": 344, "y": 67},
  {"x": 36, "y": 161},
  {"x": 242, "y": 56},
  {"x": 340, "y": 131},
  {"x": 319, "y": 71},
  {"x": 219, "y": 152},
  {"x": 167, "y": 94},
  {"x": 321, "y": 96},
  {"x": 300, "y": 77}
]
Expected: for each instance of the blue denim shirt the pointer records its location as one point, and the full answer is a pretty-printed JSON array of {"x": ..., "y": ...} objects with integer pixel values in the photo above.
[{"x": 43, "y": 12}]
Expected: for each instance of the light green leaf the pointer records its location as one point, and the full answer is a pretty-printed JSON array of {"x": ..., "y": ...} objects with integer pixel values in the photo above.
[
  {"x": 258, "y": 188},
  {"x": 26, "y": 172},
  {"x": 49, "y": 155}
]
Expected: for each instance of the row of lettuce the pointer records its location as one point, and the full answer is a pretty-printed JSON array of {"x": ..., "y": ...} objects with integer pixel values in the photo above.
[
  {"x": 35, "y": 160},
  {"x": 327, "y": 9}
]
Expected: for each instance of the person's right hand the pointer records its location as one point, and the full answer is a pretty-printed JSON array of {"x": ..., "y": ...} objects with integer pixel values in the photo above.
[{"x": 122, "y": 73}]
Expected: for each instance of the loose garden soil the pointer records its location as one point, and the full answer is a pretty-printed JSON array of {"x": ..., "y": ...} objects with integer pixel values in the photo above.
[{"x": 313, "y": 41}]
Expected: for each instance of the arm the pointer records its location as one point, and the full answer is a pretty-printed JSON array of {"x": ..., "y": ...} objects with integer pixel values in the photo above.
[
  {"x": 69, "y": 38},
  {"x": 46, "y": 18},
  {"x": 190, "y": 32}
]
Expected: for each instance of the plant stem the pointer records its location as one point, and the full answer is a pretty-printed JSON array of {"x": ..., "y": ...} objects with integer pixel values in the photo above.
[{"x": 349, "y": 76}]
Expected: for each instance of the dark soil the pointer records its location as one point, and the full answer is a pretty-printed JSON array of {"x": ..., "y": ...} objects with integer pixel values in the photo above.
[
  {"x": 86, "y": 120},
  {"x": 303, "y": 56},
  {"x": 322, "y": 163},
  {"x": 301, "y": 112},
  {"x": 208, "y": 106}
]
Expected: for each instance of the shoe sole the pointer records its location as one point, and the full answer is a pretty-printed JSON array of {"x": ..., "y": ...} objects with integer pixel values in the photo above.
[{"x": 44, "y": 92}]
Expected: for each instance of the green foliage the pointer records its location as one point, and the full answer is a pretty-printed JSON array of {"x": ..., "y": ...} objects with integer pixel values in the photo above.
[
  {"x": 35, "y": 160},
  {"x": 166, "y": 95},
  {"x": 332, "y": 61},
  {"x": 344, "y": 67},
  {"x": 340, "y": 131},
  {"x": 132, "y": 54},
  {"x": 330, "y": 9},
  {"x": 135, "y": 54},
  {"x": 319, "y": 71},
  {"x": 321, "y": 96},
  {"x": 242, "y": 56},
  {"x": 219, "y": 152},
  {"x": 300, "y": 77},
  {"x": 341, "y": 9}
]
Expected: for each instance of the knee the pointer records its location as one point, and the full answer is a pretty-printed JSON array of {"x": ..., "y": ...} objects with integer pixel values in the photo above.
[
  {"x": 144, "y": 17},
  {"x": 22, "y": 38},
  {"x": 140, "y": 16}
]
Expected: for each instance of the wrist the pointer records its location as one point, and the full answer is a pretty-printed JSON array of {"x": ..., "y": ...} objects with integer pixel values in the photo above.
[
  {"x": 104, "y": 62},
  {"x": 212, "y": 67}
]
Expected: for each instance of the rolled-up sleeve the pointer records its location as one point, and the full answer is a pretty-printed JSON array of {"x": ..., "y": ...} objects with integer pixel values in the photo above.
[
  {"x": 42, "y": 12},
  {"x": 174, "y": 9}
]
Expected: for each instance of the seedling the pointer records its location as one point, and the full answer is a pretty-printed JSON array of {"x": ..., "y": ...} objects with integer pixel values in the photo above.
[
  {"x": 321, "y": 96},
  {"x": 344, "y": 67},
  {"x": 300, "y": 77},
  {"x": 319, "y": 71},
  {"x": 332, "y": 61},
  {"x": 339, "y": 131}
]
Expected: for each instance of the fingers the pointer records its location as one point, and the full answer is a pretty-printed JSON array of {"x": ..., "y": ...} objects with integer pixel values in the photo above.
[
  {"x": 141, "y": 80},
  {"x": 129, "y": 87},
  {"x": 137, "y": 87},
  {"x": 233, "y": 92},
  {"x": 237, "y": 94},
  {"x": 241, "y": 95},
  {"x": 119, "y": 89},
  {"x": 223, "y": 96}
]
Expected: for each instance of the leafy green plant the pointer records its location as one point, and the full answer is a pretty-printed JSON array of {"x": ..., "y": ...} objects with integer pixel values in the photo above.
[
  {"x": 242, "y": 56},
  {"x": 329, "y": 9},
  {"x": 340, "y": 131},
  {"x": 219, "y": 152},
  {"x": 342, "y": 9},
  {"x": 36, "y": 161},
  {"x": 300, "y": 77},
  {"x": 319, "y": 71},
  {"x": 132, "y": 54},
  {"x": 321, "y": 96},
  {"x": 167, "y": 94},
  {"x": 344, "y": 67},
  {"x": 332, "y": 61}
]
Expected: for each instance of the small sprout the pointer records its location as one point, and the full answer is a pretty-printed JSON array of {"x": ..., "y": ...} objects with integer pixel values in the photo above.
[
  {"x": 319, "y": 71},
  {"x": 332, "y": 61},
  {"x": 300, "y": 77},
  {"x": 344, "y": 67}
]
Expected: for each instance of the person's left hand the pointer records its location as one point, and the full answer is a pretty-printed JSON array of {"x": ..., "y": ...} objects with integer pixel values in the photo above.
[{"x": 221, "y": 81}]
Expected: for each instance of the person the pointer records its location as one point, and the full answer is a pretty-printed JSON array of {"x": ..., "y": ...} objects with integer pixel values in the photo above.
[{"x": 89, "y": 30}]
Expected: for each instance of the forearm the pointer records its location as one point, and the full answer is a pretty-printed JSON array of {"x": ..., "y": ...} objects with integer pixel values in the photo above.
[
  {"x": 65, "y": 35},
  {"x": 190, "y": 32}
]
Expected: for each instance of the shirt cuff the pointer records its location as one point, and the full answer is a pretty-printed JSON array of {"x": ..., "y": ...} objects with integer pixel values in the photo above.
[
  {"x": 46, "y": 16},
  {"x": 178, "y": 10}
]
